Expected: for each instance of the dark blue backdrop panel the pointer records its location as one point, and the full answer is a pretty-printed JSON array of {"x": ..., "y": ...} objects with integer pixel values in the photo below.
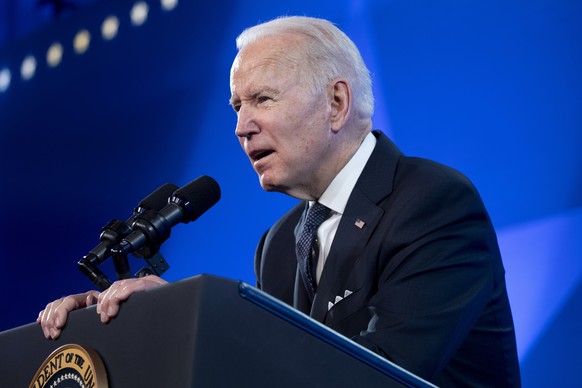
[
  {"x": 82, "y": 143},
  {"x": 493, "y": 89}
]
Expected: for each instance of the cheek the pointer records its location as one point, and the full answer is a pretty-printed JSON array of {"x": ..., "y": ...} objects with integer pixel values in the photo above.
[{"x": 308, "y": 140}]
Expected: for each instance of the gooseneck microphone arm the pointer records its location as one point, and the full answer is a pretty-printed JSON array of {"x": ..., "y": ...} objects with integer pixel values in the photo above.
[
  {"x": 113, "y": 232},
  {"x": 94, "y": 274},
  {"x": 149, "y": 227}
]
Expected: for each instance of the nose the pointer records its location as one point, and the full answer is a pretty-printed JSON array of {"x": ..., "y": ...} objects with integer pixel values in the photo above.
[{"x": 246, "y": 124}]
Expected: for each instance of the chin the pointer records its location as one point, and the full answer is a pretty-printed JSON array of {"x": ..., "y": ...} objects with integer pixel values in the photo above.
[
  {"x": 267, "y": 187},
  {"x": 266, "y": 184},
  {"x": 270, "y": 185}
]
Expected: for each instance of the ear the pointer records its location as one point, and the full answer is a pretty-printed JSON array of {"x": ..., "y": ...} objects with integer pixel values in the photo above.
[{"x": 340, "y": 97}]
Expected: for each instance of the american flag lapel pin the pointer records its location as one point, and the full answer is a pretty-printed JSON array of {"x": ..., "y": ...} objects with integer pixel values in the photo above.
[{"x": 359, "y": 223}]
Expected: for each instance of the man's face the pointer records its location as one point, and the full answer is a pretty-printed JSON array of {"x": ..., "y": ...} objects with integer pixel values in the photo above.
[{"x": 283, "y": 129}]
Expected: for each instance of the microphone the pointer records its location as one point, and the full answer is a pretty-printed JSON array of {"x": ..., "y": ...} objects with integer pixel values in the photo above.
[
  {"x": 152, "y": 227},
  {"x": 114, "y": 231},
  {"x": 155, "y": 201}
]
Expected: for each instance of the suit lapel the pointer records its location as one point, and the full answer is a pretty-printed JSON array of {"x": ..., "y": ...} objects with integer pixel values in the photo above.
[
  {"x": 300, "y": 298},
  {"x": 348, "y": 243},
  {"x": 358, "y": 222}
]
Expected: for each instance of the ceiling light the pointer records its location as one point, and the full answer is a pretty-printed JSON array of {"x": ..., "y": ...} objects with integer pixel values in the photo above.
[
  {"x": 4, "y": 80},
  {"x": 54, "y": 55},
  {"x": 82, "y": 41},
  {"x": 110, "y": 27},
  {"x": 168, "y": 5},
  {"x": 139, "y": 13},
  {"x": 28, "y": 67}
]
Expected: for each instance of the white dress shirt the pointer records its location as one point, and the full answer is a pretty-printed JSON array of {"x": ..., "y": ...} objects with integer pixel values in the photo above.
[{"x": 336, "y": 197}]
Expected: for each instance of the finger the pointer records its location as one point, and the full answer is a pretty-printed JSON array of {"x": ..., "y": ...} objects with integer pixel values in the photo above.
[
  {"x": 47, "y": 321},
  {"x": 103, "y": 297},
  {"x": 57, "y": 315},
  {"x": 91, "y": 298},
  {"x": 104, "y": 300},
  {"x": 61, "y": 312},
  {"x": 109, "y": 301},
  {"x": 119, "y": 292},
  {"x": 42, "y": 318},
  {"x": 54, "y": 317}
]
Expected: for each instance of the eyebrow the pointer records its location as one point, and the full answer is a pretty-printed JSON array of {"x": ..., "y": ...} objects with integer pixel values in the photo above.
[
  {"x": 256, "y": 92},
  {"x": 233, "y": 100}
]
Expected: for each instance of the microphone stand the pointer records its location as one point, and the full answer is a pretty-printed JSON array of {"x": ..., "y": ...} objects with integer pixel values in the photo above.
[{"x": 111, "y": 233}]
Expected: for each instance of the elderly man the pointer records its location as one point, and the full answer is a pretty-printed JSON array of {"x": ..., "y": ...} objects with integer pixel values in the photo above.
[{"x": 396, "y": 253}]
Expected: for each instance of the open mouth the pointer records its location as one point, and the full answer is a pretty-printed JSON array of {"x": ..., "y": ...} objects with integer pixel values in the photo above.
[{"x": 258, "y": 155}]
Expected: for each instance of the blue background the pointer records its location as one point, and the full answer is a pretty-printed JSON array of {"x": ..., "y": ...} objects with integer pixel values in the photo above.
[{"x": 492, "y": 88}]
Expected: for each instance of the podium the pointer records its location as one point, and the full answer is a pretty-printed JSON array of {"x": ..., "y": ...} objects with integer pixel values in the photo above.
[{"x": 205, "y": 331}]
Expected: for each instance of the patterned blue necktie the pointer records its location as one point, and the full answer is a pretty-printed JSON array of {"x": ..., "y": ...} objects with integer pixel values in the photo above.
[{"x": 306, "y": 246}]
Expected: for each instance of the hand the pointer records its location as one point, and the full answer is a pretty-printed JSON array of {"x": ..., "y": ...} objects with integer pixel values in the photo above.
[
  {"x": 53, "y": 318},
  {"x": 109, "y": 300}
]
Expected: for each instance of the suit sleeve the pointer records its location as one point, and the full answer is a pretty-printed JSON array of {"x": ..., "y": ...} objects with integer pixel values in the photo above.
[
  {"x": 258, "y": 258},
  {"x": 437, "y": 274}
]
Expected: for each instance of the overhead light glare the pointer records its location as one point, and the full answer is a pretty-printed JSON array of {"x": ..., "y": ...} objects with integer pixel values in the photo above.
[
  {"x": 82, "y": 41},
  {"x": 28, "y": 68},
  {"x": 54, "y": 55},
  {"x": 5, "y": 77},
  {"x": 168, "y": 5},
  {"x": 139, "y": 13},
  {"x": 110, "y": 27}
]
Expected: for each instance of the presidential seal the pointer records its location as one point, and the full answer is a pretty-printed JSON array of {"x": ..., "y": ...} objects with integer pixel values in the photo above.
[{"x": 71, "y": 366}]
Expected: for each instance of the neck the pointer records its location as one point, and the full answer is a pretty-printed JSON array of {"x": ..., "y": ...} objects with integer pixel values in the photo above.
[{"x": 342, "y": 154}]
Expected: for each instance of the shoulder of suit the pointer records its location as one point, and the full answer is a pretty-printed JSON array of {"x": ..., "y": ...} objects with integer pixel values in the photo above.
[
  {"x": 430, "y": 171},
  {"x": 420, "y": 168}
]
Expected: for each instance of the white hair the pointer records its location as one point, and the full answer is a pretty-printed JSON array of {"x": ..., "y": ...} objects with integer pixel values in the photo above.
[{"x": 327, "y": 53}]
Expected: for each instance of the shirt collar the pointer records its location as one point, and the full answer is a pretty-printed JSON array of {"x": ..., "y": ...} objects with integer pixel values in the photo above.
[{"x": 339, "y": 190}]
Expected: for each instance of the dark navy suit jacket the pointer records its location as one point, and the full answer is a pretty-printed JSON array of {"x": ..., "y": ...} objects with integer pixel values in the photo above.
[{"x": 418, "y": 256}]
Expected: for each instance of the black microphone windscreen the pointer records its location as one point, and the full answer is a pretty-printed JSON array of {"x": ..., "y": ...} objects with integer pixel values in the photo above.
[
  {"x": 200, "y": 195},
  {"x": 158, "y": 198}
]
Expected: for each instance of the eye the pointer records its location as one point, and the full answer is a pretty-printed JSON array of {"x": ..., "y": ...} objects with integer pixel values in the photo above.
[
  {"x": 235, "y": 106},
  {"x": 262, "y": 99}
]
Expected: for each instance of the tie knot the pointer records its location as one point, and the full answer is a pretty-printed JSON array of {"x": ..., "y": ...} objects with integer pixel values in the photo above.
[{"x": 316, "y": 214}]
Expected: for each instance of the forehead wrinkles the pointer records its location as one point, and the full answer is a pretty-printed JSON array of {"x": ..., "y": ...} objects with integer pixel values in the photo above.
[
  {"x": 268, "y": 62},
  {"x": 271, "y": 66}
]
